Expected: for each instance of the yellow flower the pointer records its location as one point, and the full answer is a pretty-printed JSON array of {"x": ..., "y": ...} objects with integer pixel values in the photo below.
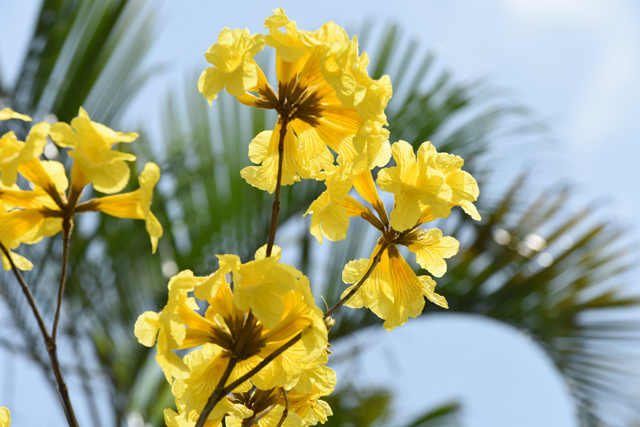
[
  {"x": 464, "y": 187},
  {"x": 305, "y": 406},
  {"x": 94, "y": 160},
  {"x": 29, "y": 216},
  {"x": 309, "y": 406},
  {"x": 393, "y": 291},
  {"x": 13, "y": 152},
  {"x": 281, "y": 306},
  {"x": 347, "y": 73},
  {"x": 414, "y": 182},
  {"x": 135, "y": 205},
  {"x": 331, "y": 211},
  {"x": 5, "y": 415},
  {"x": 233, "y": 65},
  {"x": 313, "y": 120},
  {"x": 7, "y": 114},
  {"x": 330, "y": 218}
]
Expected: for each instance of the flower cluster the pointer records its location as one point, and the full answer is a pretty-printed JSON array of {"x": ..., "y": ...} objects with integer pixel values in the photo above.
[
  {"x": 259, "y": 343},
  {"x": 270, "y": 304},
  {"x": 48, "y": 207},
  {"x": 326, "y": 101}
]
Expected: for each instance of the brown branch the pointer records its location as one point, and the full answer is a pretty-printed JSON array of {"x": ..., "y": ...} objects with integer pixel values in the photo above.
[
  {"x": 276, "y": 202},
  {"x": 285, "y": 413},
  {"x": 50, "y": 343},
  {"x": 218, "y": 393},
  {"x": 262, "y": 364},
  {"x": 352, "y": 292},
  {"x": 67, "y": 225}
]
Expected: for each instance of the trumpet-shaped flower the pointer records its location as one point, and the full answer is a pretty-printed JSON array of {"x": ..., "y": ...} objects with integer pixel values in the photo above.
[
  {"x": 415, "y": 181},
  {"x": 347, "y": 73},
  {"x": 94, "y": 159},
  {"x": 233, "y": 65},
  {"x": 137, "y": 204},
  {"x": 392, "y": 290},
  {"x": 29, "y": 216}
]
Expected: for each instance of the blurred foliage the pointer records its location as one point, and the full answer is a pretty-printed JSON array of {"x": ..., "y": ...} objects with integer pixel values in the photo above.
[{"x": 534, "y": 263}]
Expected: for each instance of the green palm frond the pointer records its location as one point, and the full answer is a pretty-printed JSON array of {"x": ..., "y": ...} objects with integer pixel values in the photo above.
[
  {"x": 79, "y": 53},
  {"x": 445, "y": 415},
  {"x": 362, "y": 408}
]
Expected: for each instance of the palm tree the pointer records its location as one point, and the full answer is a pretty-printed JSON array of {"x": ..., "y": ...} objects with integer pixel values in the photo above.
[{"x": 548, "y": 284}]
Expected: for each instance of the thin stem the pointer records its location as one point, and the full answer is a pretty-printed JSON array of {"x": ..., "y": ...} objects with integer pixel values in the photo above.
[
  {"x": 285, "y": 413},
  {"x": 27, "y": 293},
  {"x": 276, "y": 202},
  {"x": 261, "y": 365},
  {"x": 50, "y": 343},
  {"x": 66, "y": 234},
  {"x": 257, "y": 419},
  {"x": 352, "y": 292},
  {"x": 217, "y": 394}
]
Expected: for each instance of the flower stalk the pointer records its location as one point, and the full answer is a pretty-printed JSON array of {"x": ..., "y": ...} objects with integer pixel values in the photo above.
[
  {"x": 49, "y": 341},
  {"x": 276, "y": 202},
  {"x": 67, "y": 226}
]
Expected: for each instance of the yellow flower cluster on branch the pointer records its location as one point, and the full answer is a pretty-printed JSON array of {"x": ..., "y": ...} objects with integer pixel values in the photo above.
[
  {"x": 325, "y": 100},
  {"x": 247, "y": 345},
  {"x": 27, "y": 216},
  {"x": 331, "y": 128},
  {"x": 270, "y": 304}
]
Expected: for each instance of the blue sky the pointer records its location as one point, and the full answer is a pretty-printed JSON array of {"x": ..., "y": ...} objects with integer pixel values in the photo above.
[{"x": 574, "y": 62}]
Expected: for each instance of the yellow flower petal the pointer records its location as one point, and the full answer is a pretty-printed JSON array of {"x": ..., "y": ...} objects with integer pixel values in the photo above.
[
  {"x": 13, "y": 153},
  {"x": 7, "y": 113},
  {"x": 146, "y": 328},
  {"x": 431, "y": 249},
  {"x": 329, "y": 216},
  {"x": 372, "y": 141},
  {"x": 5, "y": 415},
  {"x": 289, "y": 46},
  {"x": 264, "y": 176},
  {"x": 137, "y": 204},
  {"x": 414, "y": 181},
  {"x": 91, "y": 143},
  {"x": 234, "y": 68}
]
